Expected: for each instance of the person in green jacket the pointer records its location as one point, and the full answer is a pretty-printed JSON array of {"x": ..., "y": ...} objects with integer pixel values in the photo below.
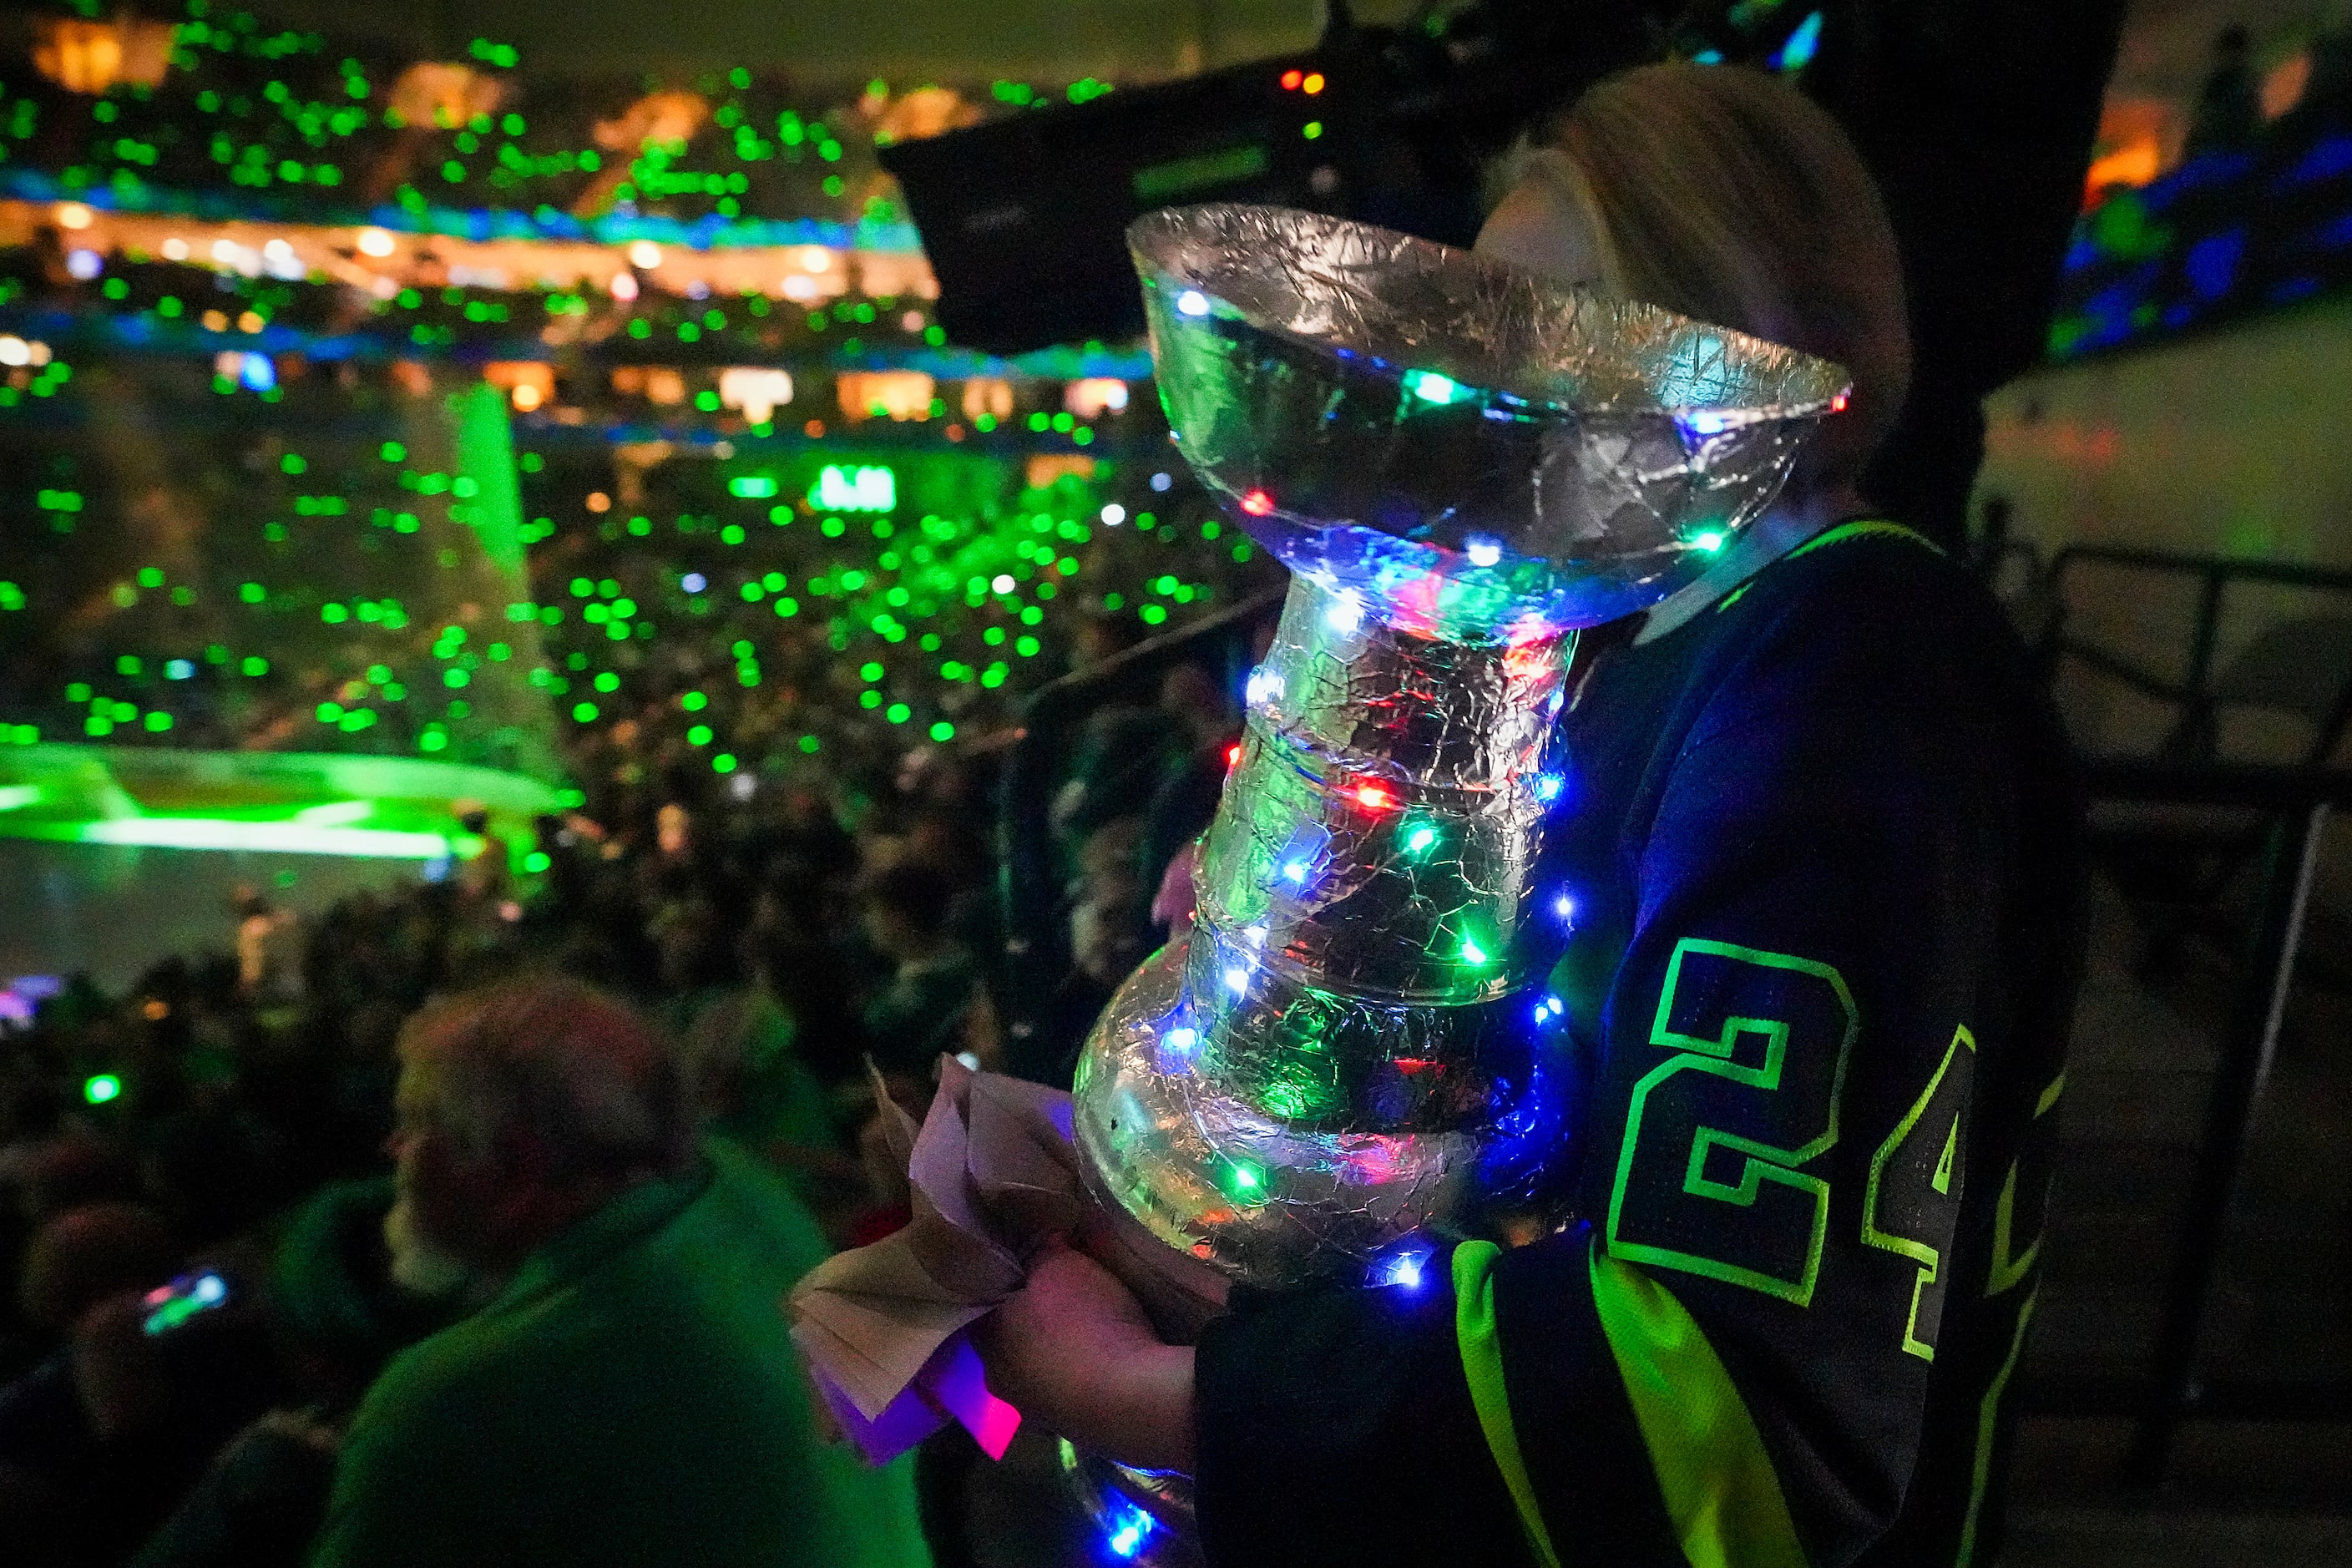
[{"x": 628, "y": 1393}]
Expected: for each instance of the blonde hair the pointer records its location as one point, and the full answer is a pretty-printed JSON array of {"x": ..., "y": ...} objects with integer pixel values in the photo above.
[{"x": 1724, "y": 194}]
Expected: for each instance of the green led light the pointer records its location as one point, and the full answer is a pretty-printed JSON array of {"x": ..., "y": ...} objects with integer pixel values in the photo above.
[
  {"x": 942, "y": 730},
  {"x": 724, "y": 763},
  {"x": 754, "y": 486},
  {"x": 897, "y": 713},
  {"x": 100, "y": 1088},
  {"x": 1472, "y": 953},
  {"x": 699, "y": 736},
  {"x": 1419, "y": 840},
  {"x": 1243, "y": 1182},
  {"x": 1432, "y": 387},
  {"x": 1710, "y": 542}
]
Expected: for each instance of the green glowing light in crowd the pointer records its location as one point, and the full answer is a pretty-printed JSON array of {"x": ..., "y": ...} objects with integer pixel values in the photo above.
[
  {"x": 100, "y": 1088},
  {"x": 760, "y": 487},
  {"x": 1432, "y": 387},
  {"x": 281, "y": 838},
  {"x": 862, "y": 488}
]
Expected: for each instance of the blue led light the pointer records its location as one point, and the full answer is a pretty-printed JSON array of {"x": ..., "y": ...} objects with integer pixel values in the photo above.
[
  {"x": 1548, "y": 786},
  {"x": 258, "y": 373},
  {"x": 1564, "y": 907},
  {"x": 1126, "y": 1529},
  {"x": 1802, "y": 45},
  {"x": 694, "y": 582},
  {"x": 1404, "y": 1267}
]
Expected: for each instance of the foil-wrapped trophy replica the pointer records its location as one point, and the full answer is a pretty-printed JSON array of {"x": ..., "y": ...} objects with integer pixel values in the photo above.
[{"x": 1460, "y": 463}]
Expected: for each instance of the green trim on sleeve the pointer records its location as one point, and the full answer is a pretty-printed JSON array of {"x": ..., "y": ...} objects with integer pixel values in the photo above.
[
  {"x": 1482, "y": 1363},
  {"x": 1714, "y": 1474},
  {"x": 1866, "y": 528}
]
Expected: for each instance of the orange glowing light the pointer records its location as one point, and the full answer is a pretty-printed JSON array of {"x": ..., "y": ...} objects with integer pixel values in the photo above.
[
  {"x": 1257, "y": 503},
  {"x": 1290, "y": 80},
  {"x": 1313, "y": 82},
  {"x": 1376, "y": 797}
]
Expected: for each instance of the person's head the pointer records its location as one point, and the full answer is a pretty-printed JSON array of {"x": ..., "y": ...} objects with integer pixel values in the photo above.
[
  {"x": 1188, "y": 696},
  {"x": 88, "y": 1254},
  {"x": 906, "y": 909},
  {"x": 1102, "y": 636},
  {"x": 523, "y": 1107},
  {"x": 1725, "y": 195}
]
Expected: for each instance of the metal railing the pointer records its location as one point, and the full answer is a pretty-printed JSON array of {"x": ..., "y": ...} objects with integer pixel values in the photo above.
[
  {"x": 2295, "y": 803},
  {"x": 2194, "y": 691}
]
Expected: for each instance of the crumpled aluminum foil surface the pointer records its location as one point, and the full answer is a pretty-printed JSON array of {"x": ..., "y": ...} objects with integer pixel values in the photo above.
[
  {"x": 1465, "y": 440},
  {"x": 1460, "y": 463}
]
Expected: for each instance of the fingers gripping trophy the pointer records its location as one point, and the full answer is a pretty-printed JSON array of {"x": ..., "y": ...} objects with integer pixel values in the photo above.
[{"x": 1460, "y": 464}]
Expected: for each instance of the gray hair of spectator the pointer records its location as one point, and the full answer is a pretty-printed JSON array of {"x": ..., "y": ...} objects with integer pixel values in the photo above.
[{"x": 557, "y": 1066}]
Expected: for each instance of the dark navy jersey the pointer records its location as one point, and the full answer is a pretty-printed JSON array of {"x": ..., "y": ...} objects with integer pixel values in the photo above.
[{"x": 1820, "y": 846}]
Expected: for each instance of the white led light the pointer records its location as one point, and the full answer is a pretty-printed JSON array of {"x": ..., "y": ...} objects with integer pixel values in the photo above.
[
  {"x": 1347, "y": 611},
  {"x": 1002, "y": 583},
  {"x": 1192, "y": 302},
  {"x": 375, "y": 242},
  {"x": 1238, "y": 980},
  {"x": 1113, "y": 514},
  {"x": 645, "y": 255},
  {"x": 1161, "y": 481},
  {"x": 1482, "y": 550}
]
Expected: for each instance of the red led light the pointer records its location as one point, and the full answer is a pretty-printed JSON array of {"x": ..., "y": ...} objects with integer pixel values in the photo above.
[
  {"x": 1313, "y": 82},
  {"x": 1257, "y": 503},
  {"x": 1233, "y": 756},
  {"x": 1837, "y": 403},
  {"x": 1290, "y": 80},
  {"x": 1376, "y": 797}
]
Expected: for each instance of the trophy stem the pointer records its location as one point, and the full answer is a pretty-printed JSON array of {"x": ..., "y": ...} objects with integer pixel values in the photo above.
[{"x": 1327, "y": 1063}]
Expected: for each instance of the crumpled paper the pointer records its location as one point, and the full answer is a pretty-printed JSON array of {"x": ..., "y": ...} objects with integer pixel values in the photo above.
[{"x": 993, "y": 1175}]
